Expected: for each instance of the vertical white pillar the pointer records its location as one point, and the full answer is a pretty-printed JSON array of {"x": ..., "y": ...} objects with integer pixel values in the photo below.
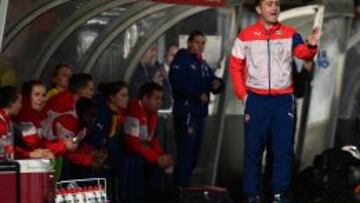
[{"x": 3, "y": 12}]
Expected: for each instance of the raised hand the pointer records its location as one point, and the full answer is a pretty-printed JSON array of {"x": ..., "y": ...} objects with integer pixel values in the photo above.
[{"x": 314, "y": 37}]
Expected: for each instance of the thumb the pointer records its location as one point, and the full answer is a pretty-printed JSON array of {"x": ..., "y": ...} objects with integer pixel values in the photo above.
[{"x": 315, "y": 30}]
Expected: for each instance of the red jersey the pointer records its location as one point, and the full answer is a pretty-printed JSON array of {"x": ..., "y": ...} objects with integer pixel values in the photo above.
[
  {"x": 66, "y": 126},
  {"x": 29, "y": 122},
  {"x": 261, "y": 59},
  {"x": 139, "y": 130},
  {"x": 6, "y": 132}
]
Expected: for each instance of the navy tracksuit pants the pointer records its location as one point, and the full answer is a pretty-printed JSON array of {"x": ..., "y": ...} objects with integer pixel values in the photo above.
[
  {"x": 268, "y": 118},
  {"x": 141, "y": 182},
  {"x": 189, "y": 132}
]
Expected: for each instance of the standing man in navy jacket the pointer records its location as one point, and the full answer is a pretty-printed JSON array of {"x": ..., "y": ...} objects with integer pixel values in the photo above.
[{"x": 191, "y": 81}]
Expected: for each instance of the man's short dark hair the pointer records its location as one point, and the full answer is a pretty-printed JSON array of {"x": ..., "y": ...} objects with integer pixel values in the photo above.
[
  {"x": 195, "y": 33},
  {"x": 79, "y": 81},
  {"x": 258, "y": 2},
  {"x": 59, "y": 67},
  {"x": 148, "y": 88},
  {"x": 8, "y": 96}
]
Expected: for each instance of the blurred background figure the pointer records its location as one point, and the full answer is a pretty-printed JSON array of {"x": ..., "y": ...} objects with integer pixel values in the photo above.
[
  {"x": 145, "y": 71},
  {"x": 7, "y": 72},
  {"x": 161, "y": 76},
  {"x": 60, "y": 79},
  {"x": 10, "y": 105}
]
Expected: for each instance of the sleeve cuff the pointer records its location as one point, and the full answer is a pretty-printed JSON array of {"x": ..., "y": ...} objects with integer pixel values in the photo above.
[{"x": 312, "y": 46}]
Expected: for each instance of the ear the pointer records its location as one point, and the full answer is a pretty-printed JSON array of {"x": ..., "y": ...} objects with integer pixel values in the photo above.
[{"x": 258, "y": 10}]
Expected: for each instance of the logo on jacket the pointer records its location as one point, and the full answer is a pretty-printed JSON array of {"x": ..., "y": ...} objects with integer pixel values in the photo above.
[
  {"x": 247, "y": 117},
  {"x": 193, "y": 66},
  {"x": 323, "y": 60},
  {"x": 279, "y": 32},
  {"x": 257, "y": 33}
]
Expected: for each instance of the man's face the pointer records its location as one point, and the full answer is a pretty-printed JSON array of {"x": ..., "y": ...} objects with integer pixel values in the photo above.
[
  {"x": 197, "y": 45},
  {"x": 38, "y": 97},
  {"x": 149, "y": 55},
  {"x": 171, "y": 54},
  {"x": 269, "y": 11},
  {"x": 62, "y": 77},
  {"x": 153, "y": 102},
  {"x": 88, "y": 90}
]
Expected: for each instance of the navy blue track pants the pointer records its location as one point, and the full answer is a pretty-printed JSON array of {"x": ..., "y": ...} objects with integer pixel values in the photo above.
[
  {"x": 268, "y": 118},
  {"x": 189, "y": 132}
]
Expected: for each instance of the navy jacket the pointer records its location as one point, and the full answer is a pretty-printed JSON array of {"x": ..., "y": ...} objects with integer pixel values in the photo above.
[
  {"x": 99, "y": 134},
  {"x": 190, "y": 77}
]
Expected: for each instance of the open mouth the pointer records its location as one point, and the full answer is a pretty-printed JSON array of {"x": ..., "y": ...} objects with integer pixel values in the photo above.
[{"x": 39, "y": 105}]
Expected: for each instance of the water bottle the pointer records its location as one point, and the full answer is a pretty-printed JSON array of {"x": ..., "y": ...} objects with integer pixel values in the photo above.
[
  {"x": 98, "y": 194},
  {"x": 79, "y": 196},
  {"x": 103, "y": 194},
  {"x": 69, "y": 196},
  {"x": 90, "y": 195},
  {"x": 59, "y": 197}
]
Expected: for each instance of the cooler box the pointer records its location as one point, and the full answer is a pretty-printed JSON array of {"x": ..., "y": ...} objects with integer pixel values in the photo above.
[{"x": 37, "y": 184}]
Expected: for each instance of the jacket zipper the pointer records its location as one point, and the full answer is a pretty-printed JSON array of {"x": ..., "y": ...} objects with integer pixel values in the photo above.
[{"x": 269, "y": 59}]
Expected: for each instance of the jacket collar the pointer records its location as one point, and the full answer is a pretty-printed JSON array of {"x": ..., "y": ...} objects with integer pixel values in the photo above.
[
  {"x": 197, "y": 56},
  {"x": 272, "y": 29}
]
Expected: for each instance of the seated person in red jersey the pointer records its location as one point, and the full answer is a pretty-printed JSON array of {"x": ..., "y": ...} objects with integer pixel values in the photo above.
[
  {"x": 10, "y": 104},
  {"x": 145, "y": 156},
  {"x": 29, "y": 121},
  {"x": 63, "y": 105},
  {"x": 60, "y": 79},
  {"x": 80, "y": 85}
]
